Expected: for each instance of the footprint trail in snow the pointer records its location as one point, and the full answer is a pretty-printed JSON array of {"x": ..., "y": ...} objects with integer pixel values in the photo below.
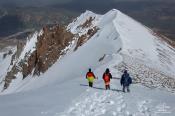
[{"x": 98, "y": 103}]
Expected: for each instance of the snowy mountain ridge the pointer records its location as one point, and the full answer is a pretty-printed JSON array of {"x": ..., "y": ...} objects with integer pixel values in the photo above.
[
  {"x": 116, "y": 31},
  {"x": 60, "y": 58},
  {"x": 147, "y": 48}
]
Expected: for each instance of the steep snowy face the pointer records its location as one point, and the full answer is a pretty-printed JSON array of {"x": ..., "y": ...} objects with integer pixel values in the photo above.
[
  {"x": 135, "y": 39},
  {"x": 105, "y": 33},
  {"x": 145, "y": 54},
  {"x": 141, "y": 43}
]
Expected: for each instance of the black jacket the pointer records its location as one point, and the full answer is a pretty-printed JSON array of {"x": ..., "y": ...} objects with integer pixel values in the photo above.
[{"x": 126, "y": 80}]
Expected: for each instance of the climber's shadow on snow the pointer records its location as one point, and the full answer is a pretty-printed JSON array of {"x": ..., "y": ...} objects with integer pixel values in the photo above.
[
  {"x": 100, "y": 88},
  {"x": 84, "y": 85},
  {"x": 92, "y": 87}
]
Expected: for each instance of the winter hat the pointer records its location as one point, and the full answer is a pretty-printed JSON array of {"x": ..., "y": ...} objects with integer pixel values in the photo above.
[
  {"x": 107, "y": 70},
  {"x": 125, "y": 71}
]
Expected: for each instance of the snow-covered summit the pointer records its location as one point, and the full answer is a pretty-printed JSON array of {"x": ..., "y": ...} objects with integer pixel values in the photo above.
[
  {"x": 137, "y": 40},
  {"x": 139, "y": 47}
]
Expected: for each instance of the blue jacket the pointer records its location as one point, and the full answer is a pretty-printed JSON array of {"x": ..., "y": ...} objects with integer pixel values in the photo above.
[{"x": 126, "y": 80}]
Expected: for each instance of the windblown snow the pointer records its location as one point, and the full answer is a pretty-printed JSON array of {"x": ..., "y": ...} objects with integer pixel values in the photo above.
[{"x": 120, "y": 43}]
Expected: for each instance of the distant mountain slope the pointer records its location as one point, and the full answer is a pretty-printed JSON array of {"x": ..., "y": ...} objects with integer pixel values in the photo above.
[
  {"x": 156, "y": 14},
  {"x": 18, "y": 19}
]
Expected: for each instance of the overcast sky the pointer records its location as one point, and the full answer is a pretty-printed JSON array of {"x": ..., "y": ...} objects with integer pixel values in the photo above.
[
  {"x": 51, "y": 2},
  {"x": 33, "y": 2}
]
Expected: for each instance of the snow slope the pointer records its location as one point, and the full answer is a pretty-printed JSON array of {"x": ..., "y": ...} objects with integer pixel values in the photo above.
[
  {"x": 136, "y": 40},
  {"x": 74, "y": 98},
  {"x": 63, "y": 91}
]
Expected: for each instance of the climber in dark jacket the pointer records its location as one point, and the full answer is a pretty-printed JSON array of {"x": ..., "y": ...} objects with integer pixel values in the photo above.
[{"x": 125, "y": 81}]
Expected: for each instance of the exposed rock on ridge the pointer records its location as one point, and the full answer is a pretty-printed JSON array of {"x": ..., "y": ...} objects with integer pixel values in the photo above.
[{"x": 48, "y": 50}]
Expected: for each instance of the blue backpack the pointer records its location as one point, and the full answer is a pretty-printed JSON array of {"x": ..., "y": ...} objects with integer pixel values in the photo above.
[{"x": 127, "y": 80}]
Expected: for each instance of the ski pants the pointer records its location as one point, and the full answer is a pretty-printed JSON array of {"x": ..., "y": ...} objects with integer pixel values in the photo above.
[
  {"x": 126, "y": 87},
  {"x": 90, "y": 80},
  {"x": 90, "y": 84},
  {"x": 107, "y": 85}
]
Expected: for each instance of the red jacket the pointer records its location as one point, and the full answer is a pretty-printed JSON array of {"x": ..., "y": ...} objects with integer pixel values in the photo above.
[
  {"x": 90, "y": 74},
  {"x": 107, "y": 77}
]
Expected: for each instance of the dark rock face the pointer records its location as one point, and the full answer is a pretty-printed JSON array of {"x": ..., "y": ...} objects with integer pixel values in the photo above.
[
  {"x": 30, "y": 65},
  {"x": 6, "y": 54},
  {"x": 10, "y": 75},
  {"x": 48, "y": 50},
  {"x": 88, "y": 23},
  {"x": 84, "y": 38},
  {"x": 50, "y": 47}
]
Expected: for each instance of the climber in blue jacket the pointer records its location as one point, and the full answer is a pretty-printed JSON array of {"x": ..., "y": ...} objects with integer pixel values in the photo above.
[{"x": 125, "y": 81}]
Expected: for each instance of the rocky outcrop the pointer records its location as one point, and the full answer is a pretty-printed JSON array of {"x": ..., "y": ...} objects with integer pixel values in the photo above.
[
  {"x": 87, "y": 23},
  {"x": 6, "y": 54},
  {"x": 15, "y": 69},
  {"x": 84, "y": 38},
  {"x": 49, "y": 48},
  {"x": 28, "y": 67},
  {"x": 91, "y": 31},
  {"x": 10, "y": 76}
]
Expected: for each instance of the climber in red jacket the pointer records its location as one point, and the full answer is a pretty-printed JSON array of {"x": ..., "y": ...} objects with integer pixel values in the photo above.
[{"x": 106, "y": 77}]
